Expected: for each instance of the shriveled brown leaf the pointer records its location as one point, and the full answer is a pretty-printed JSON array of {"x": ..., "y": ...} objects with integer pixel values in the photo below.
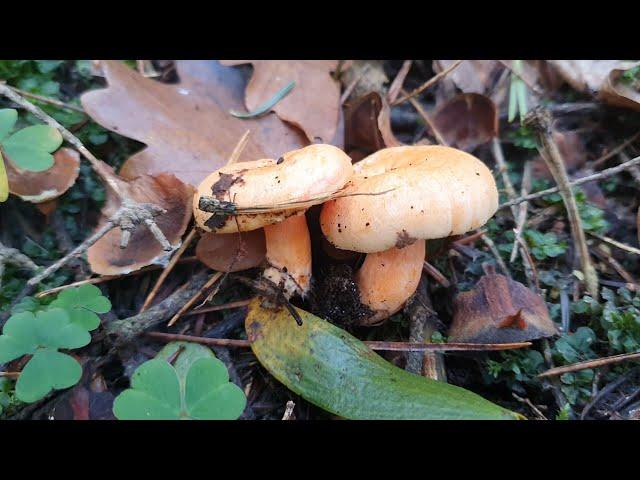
[
  {"x": 364, "y": 77},
  {"x": 186, "y": 126},
  {"x": 616, "y": 93},
  {"x": 500, "y": 310},
  {"x": 165, "y": 190},
  {"x": 467, "y": 120},
  {"x": 314, "y": 103},
  {"x": 232, "y": 252},
  {"x": 472, "y": 76},
  {"x": 368, "y": 124},
  {"x": 588, "y": 76},
  {"x": 39, "y": 187}
]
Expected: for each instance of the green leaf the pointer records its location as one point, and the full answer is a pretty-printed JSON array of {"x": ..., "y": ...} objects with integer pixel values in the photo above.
[
  {"x": 268, "y": 105},
  {"x": 513, "y": 104},
  {"x": 4, "y": 181},
  {"x": 31, "y": 147},
  {"x": 26, "y": 332},
  {"x": 334, "y": 370},
  {"x": 196, "y": 387},
  {"x": 8, "y": 117},
  {"x": 47, "y": 370},
  {"x": 83, "y": 303}
]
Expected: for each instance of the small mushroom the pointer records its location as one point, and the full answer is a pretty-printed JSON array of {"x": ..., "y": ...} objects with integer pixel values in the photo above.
[
  {"x": 277, "y": 192},
  {"x": 500, "y": 310},
  {"x": 417, "y": 193}
]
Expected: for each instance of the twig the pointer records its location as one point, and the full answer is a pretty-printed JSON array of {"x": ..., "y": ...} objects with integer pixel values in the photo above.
[
  {"x": 10, "y": 374},
  {"x": 561, "y": 399},
  {"x": 397, "y": 83},
  {"x": 13, "y": 256},
  {"x": 522, "y": 211},
  {"x": 434, "y": 273},
  {"x": 347, "y": 91},
  {"x": 40, "y": 98},
  {"x": 107, "y": 278},
  {"x": 432, "y": 81},
  {"x": 615, "y": 151},
  {"x": 129, "y": 215},
  {"x": 288, "y": 412},
  {"x": 600, "y": 362},
  {"x": 498, "y": 154},
  {"x": 470, "y": 238},
  {"x": 528, "y": 402},
  {"x": 213, "y": 279},
  {"x": 217, "y": 308},
  {"x": 428, "y": 121},
  {"x": 386, "y": 346},
  {"x": 168, "y": 269},
  {"x": 496, "y": 254},
  {"x": 615, "y": 243},
  {"x": 609, "y": 172},
  {"x": 540, "y": 120}
]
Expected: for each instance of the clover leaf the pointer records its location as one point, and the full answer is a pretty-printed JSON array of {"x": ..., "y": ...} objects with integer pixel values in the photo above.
[
  {"x": 195, "y": 387},
  {"x": 41, "y": 335},
  {"x": 83, "y": 303},
  {"x": 29, "y": 148}
]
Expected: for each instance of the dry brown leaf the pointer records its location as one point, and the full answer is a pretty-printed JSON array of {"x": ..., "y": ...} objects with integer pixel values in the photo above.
[
  {"x": 314, "y": 103},
  {"x": 232, "y": 252},
  {"x": 617, "y": 93},
  {"x": 471, "y": 76},
  {"x": 500, "y": 310},
  {"x": 467, "y": 120},
  {"x": 588, "y": 76},
  {"x": 186, "y": 126},
  {"x": 39, "y": 187},
  {"x": 165, "y": 190},
  {"x": 368, "y": 124},
  {"x": 364, "y": 77}
]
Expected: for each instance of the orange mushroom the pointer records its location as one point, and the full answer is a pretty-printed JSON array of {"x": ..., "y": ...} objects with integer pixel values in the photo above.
[
  {"x": 277, "y": 192},
  {"x": 418, "y": 193}
]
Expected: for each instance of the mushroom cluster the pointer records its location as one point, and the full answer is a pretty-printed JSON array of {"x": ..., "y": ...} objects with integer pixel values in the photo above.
[{"x": 386, "y": 206}]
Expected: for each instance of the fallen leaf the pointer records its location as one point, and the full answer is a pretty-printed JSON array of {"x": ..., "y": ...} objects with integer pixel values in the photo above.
[
  {"x": 617, "y": 93},
  {"x": 232, "y": 252},
  {"x": 467, "y": 121},
  {"x": 165, "y": 190},
  {"x": 313, "y": 105},
  {"x": 368, "y": 124},
  {"x": 364, "y": 77},
  {"x": 472, "y": 76},
  {"x": 39, "y": 187},
  {"x": 500, "y": 310},
  {"x": 337, "y": 372},
  {"x": 186, "y": 126}
]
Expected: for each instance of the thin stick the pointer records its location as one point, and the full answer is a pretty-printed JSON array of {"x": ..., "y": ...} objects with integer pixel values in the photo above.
[
  {"x": 288, "y": 412},
  {"x": 615, "y": 151},
  {"x": 107, "y": 278},
  {"x": 51, "y": 101},
  {"x": 609, "y": 172},
  {"x": 470, "y": 238},
  {"x": 599, "y": 362},
  {"x": 217, "y": 308},
  {"x": 238, "y": 149},
  {"x": 428, "y": 121},
  {"x": 347, "y": 91},
  {"x": 386, "y": 346},
  {"x": 214, "y": 278},
  {"x": 432, "y": 81},
  {"x": 522, "y": 211},
  {"x": 615, "y": 243},
  {"x": 496, "y": 254},
  {"x": 10, "y": 374},
  {"x": 169, "y": 268},
  {"x": 540, "y": 120},
  {"x": 396, "y": 85},
  {"x": 498, "y": 154},
  {"x": 434, "y": 273}
]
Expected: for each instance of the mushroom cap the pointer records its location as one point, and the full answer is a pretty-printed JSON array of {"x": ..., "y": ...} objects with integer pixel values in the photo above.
[
  {"x": 305, "y": 175},
  {"x": 431, "y": 192}
]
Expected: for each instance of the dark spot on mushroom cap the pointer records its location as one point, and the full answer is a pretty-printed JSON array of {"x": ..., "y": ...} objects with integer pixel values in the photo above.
[
  {"x": 404, "y": 239},
  {"x": 367, "y": 224},
  {"x": 280, "y": 160},
  {"x": 225, "y": 182}
]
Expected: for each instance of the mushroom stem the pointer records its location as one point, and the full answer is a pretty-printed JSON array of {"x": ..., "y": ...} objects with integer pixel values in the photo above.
[
  {"x": 288, "y": 247},
  {"x": 387, "y": 279}
]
